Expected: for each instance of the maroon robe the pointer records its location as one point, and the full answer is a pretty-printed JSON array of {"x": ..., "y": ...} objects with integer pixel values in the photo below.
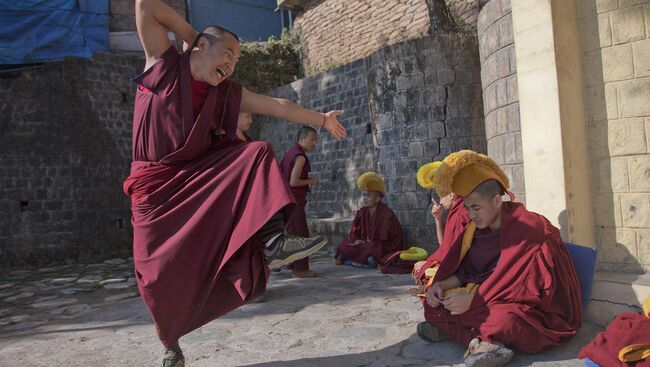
[
  {"x": 197, "y": 201},
  {"x": 531, "y": 301},
  {"x": 297, "y": 223},
  {"x": 383, "y": 231},
  {"x": 455, "y": 224}
]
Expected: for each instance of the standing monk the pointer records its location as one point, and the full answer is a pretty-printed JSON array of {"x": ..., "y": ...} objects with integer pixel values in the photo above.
[
  {"x": 376, "y": 231},
  {"x": 208, "y": 215},
  {"x": 509, "y": 281},
  {"x": 295, "y": 168}
]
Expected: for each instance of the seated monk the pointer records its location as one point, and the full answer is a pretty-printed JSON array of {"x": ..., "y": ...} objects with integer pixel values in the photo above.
[
  {"x": 509, "y": 282},
  {"x": 375, "y": 230},
  {"x": 447, "y": 233}
]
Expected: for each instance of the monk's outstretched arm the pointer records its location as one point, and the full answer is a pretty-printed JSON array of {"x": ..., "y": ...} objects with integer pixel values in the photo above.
[
  {"x": 153, "y": 18},
  {"x": 287, "y": 110}
]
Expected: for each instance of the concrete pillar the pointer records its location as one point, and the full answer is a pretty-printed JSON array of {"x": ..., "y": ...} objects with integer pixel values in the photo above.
[{"x": 553, "y": 124}]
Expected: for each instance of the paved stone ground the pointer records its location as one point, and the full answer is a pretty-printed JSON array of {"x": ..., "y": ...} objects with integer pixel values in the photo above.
[{"x": 91, "y": 315}]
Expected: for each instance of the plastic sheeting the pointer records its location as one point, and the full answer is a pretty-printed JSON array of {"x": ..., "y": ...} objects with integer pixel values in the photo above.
[{"x": 46, "y": 30}]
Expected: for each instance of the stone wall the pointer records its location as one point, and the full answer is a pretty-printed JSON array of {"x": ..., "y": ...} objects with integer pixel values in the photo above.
[
  {"x": 615, "y": 38},
  {"x": 65, "y": 148},
  {"x": 465, "y": 13},
  {"x": 406, "y": 105},
  {"x": 500, "y": 96}
]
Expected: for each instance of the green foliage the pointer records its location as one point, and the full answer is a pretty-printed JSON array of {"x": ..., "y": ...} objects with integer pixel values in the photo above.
[{"x": 267, "y": 65}]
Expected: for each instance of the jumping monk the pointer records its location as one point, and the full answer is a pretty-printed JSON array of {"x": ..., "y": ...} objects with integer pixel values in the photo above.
[
  {"x": 295, "y": 168},
  {"x": 208, "y": 215},
  {"x": 243, "y": 125},
  {"x": 509, "y": 282},
  {"x": 375, "y": 231},
  {"x": 447, "y": 233}
]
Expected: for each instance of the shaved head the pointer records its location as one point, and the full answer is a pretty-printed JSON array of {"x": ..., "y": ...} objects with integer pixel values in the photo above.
[{"x": 489, "y": 189}]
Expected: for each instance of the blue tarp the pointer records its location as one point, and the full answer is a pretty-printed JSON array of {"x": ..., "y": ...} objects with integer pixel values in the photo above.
[{"x": 46, "y": 30}]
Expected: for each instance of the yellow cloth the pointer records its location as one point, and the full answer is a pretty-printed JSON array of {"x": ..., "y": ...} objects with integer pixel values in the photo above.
[
  {"x": 468, "y": 237},
  {"x": 426, "y": 174},
  {"x": 461, "y": 172},
  {"x": 646, "y": 307},
  {"x": 414, "y": 253},
  {"x": 371, "y": 181},
  {"x": 634, "y": 352}
]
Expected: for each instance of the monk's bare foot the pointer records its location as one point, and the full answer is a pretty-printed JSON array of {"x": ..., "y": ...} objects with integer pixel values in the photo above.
[
  {"x": 483, "y": 354},
  {"x": 303, "y": 274},
  {"x": 431, "y": 334}
]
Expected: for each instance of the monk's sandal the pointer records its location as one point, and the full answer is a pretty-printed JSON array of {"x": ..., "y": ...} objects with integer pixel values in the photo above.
[
  {"x": 430, "y": 333},
  {"x": 173, "y": 358},
  {"x": 288, "y": 248},
  {"x": 483, "y": 354}
]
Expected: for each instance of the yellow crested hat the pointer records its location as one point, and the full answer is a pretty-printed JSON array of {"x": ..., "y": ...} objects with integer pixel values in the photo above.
[
  {"x": 461, "y": 172},
  {"x": 426, "y": 174},
  {"x": 370, "y": 181}
]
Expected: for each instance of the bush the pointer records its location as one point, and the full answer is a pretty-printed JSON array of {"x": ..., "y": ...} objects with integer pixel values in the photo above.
[{"x": 267, "y": 65}]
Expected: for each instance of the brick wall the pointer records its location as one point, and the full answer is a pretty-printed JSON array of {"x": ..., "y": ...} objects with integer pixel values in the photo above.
[
  {"x": 65, "y": 149},
  {"x": 615, "y": 38},
  {"x": 335, "y": 32},
  {"x": 406, "y": 105},
  {"x": 500, "y": 95}
]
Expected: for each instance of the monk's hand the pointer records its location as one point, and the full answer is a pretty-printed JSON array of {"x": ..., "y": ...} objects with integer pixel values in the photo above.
[
  {"x": 458, "y": 303},
  {"x": 437, "y": 210},
  {"x": 435, "y": 295},
  {"x": 417, "y": 266},
  {"x": 313, "y": 181},
  {"x": 358, "y": 242},
  {"x": 333, "y": 126}
]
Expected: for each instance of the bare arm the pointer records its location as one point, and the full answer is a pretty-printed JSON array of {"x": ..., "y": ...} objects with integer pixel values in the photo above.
[
  {"x": 439, "y": 231},
  {"x": 287, "y": 110},
  {"x": 153, "y": 18},
  {"x": 295, "y": 180}
]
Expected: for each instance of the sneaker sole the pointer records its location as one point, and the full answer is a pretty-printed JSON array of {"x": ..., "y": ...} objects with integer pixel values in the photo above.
[{"x": 277, "y": 264}]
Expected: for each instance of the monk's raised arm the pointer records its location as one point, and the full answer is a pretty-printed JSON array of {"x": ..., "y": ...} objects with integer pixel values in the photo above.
[
  {"x": 153, "y": 18},
  {"x": 285, "y": 109}
]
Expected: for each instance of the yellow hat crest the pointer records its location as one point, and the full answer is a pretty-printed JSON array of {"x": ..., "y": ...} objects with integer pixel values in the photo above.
[
  {"x": 371, "y": 181},
  {"x": 461, "y": 172},
  {"x": 426, "y": 174}
]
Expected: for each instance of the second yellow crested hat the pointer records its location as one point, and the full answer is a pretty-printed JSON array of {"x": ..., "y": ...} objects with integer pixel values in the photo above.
[
  {"x": 463, "y": 171},
  {"x": 371, "y": 181},
  {"x": 426, "y": 174}
]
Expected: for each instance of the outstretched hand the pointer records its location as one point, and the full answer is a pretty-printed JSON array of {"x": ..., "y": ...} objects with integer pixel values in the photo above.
[{"x": 333, "y": 126}]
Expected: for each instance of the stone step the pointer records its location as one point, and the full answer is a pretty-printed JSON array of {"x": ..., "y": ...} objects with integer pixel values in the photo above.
[{"x": 613, "y": 293}]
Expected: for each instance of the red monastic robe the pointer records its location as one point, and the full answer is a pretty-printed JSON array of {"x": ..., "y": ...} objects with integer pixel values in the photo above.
[
  {"x": 628, "y": 329},
  {"x": 297, "y": 223},
  {"x": 456, "y": 222},
  {"x": 531, "y": 301},
  {"x": 382, "y": 229},
  {"x": 197, "y": 200}
]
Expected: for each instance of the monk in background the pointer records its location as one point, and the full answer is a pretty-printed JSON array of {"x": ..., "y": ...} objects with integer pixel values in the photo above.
[
  {"x": 295, "y": 168},
  {"x": 208, "y": 213},
  {"x": 376, "y": 231},
  {"x": 244, "y": 123},
  {"x": 509, "y": 282}
]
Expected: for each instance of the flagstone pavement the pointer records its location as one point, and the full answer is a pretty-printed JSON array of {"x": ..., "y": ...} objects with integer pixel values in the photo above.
[{"x": 91, "y": 315}]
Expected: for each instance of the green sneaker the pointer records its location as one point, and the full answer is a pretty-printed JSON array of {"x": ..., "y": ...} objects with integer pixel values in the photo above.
[
  {"x": 288, "y": 248},
  {"x": 173, "y": 358}
]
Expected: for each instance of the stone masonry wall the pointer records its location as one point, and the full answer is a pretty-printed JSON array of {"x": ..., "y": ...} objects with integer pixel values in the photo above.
[
  {"x": 65, "y": 148},
  {"x": 122, "y": 17},
  {"x": 615, "y": 39},
  {"x": 406, "y": 105},
  {"x": 500, "y": 95}
]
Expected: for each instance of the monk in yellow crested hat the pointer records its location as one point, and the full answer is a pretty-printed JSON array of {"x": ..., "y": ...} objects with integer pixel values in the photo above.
[
  {"x": 508, "y": 282},
  {"x": 376, "y": 231}
]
